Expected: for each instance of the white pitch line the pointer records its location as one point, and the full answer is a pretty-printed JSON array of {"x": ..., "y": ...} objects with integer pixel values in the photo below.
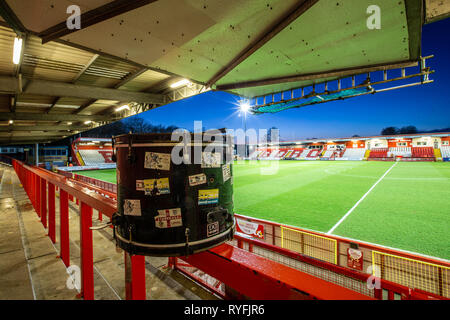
[{"x": 360, "y": 200}]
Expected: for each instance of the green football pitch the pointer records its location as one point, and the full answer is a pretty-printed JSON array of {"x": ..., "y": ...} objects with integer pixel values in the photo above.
[{"x": 403, "y": 205}]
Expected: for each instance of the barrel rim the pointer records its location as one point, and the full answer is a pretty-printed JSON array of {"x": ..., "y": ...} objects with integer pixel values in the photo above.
[{"x": 177, "y": 245}]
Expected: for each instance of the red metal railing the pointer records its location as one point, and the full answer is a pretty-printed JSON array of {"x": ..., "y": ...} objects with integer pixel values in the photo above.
[
  {"x": 40, "y": 186},
  {"x": 108, "y": 186},
  {"x": 271, "y": 242}
]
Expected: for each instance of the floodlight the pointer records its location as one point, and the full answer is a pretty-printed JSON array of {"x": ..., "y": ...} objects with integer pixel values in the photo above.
[{"x": 244, "y": 106}]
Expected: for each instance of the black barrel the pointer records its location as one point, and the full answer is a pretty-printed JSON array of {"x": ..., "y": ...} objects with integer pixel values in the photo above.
[{"x": 168, "y": 208}]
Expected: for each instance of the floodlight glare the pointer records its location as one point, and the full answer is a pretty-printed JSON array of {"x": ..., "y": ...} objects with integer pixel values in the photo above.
[
  {"x": 17, "y": 50},
  {"x": 88, "y": 122},
  {"x": 245, "y": 107},
  {"x": 11, "y": 121},
  {"x": 180, "y": 83}
]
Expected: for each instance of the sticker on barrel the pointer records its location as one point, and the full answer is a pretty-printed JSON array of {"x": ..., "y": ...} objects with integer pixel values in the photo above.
[
  {"x": 226, "y": 172},
  {"x": 210, "y": 196},
  {"x": 168, "y": 218},
  {"x": 132, "y": 207},
  {"x": 212, "y": 229},
  {"x": 157, "y": 161},
  {"x": 197, "y": 179},
  {"x": 156, "y": 187},
  {"x": 211, "y": 160},
  {"x": 140, "y": 185}
]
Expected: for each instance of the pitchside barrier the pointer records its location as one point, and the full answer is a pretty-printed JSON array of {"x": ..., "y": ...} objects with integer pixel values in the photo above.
[
  {"x": 404, "y": 268},
  {"x": 339, "y": 261},
  {"x": 244, "y": 274},
  {"x": 424, "y": 274}
]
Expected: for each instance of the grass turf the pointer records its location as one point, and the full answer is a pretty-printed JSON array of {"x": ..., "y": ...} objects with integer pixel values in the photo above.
[
  {"x": 108, "y": 175},
  {"x": 408, "y": 209}
]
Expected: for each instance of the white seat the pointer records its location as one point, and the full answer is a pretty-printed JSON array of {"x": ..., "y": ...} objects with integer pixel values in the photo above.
[
  {"x": 354, "y": 153},
  {"x": 445, "y": 151}
]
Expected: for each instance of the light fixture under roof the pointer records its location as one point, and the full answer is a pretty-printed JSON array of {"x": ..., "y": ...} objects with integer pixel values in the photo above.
[
  {"x": 124, "y": 107},
  {"x": 180, "y": 83},
  {"x": 88, "y": 122},
  {"x": 17, "y": 50},
  {"x": 11, "y": 121}
]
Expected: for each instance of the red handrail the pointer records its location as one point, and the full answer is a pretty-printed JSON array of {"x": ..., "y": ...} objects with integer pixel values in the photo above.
[{"x": 35, "y": 179}]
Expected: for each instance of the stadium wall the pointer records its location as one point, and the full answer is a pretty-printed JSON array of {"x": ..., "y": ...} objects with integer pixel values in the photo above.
[
  {"x": 393, "y": 142},
  {"x": 358, "y": 143}
]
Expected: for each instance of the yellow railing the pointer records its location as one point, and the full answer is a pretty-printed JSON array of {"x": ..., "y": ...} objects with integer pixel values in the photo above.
[
  {"x": 412, "y": 273},
  {"x": 309, "y": 244},
  {"x": 438, "y": 154},
  {"x": 80, "y": 159}
]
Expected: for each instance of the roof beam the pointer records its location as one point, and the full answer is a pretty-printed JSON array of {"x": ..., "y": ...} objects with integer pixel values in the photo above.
[
  {"x": 6, "y": 116},
  {"x": 37, "y": 127},
  {"x": 62, "y": 89},
  {"x": 25, "y": 140},
  {"x": 319, "y": 75},
  {"x": 100, "y": 14},
  {"x": 11, "y": 19},
  {"x": 300, "y": 8},
  {"x": 82, "y": 71},
  {"x": 129, "y": 78}
]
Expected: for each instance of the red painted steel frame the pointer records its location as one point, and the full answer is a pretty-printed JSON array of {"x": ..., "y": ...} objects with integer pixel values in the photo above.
[
  {"x": 344, "y": 240},
  {"x": 134, "y": 277},
  {"x": 35, "y": 182},
  {"x": 43, "y": 193},
  {"x": 263, "y": 279},
  {"x": 251, "y": 275},
  {"x": 37, "y": 187},
  {"x": 51, "y": 212},
  {"x": 64, "y": 227}
]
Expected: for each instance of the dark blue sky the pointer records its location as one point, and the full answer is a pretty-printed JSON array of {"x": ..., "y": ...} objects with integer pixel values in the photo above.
[{"x": 427, "y": 106}]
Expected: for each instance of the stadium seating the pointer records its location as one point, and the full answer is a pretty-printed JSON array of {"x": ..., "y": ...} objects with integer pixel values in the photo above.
[
  {"x": 328, "y": 154},
  {"x": 422, "y": 152},
  {"x": 379, "y": 153},
  {"x": 313, "y": 154},
  {"x": 304, "y": 154},
  {"x": 445, "y": 151},
  {"x": 107, "y": 155},
  {"x": 354, "y": 154},
  {"x": 281, "y": 154},
  {"x": 400, "y": 151},
  {"x": 93, "y": 157},
  {"x": 295, "y": 154}
]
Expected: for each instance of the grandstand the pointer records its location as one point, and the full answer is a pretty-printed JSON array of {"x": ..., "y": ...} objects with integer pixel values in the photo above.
[
  {"x": 91, "y": 151},
  {"x": 412, "y": 147}
]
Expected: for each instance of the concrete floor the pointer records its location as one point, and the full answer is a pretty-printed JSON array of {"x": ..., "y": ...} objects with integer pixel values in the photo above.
[{"x": 30, "y": 268}]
